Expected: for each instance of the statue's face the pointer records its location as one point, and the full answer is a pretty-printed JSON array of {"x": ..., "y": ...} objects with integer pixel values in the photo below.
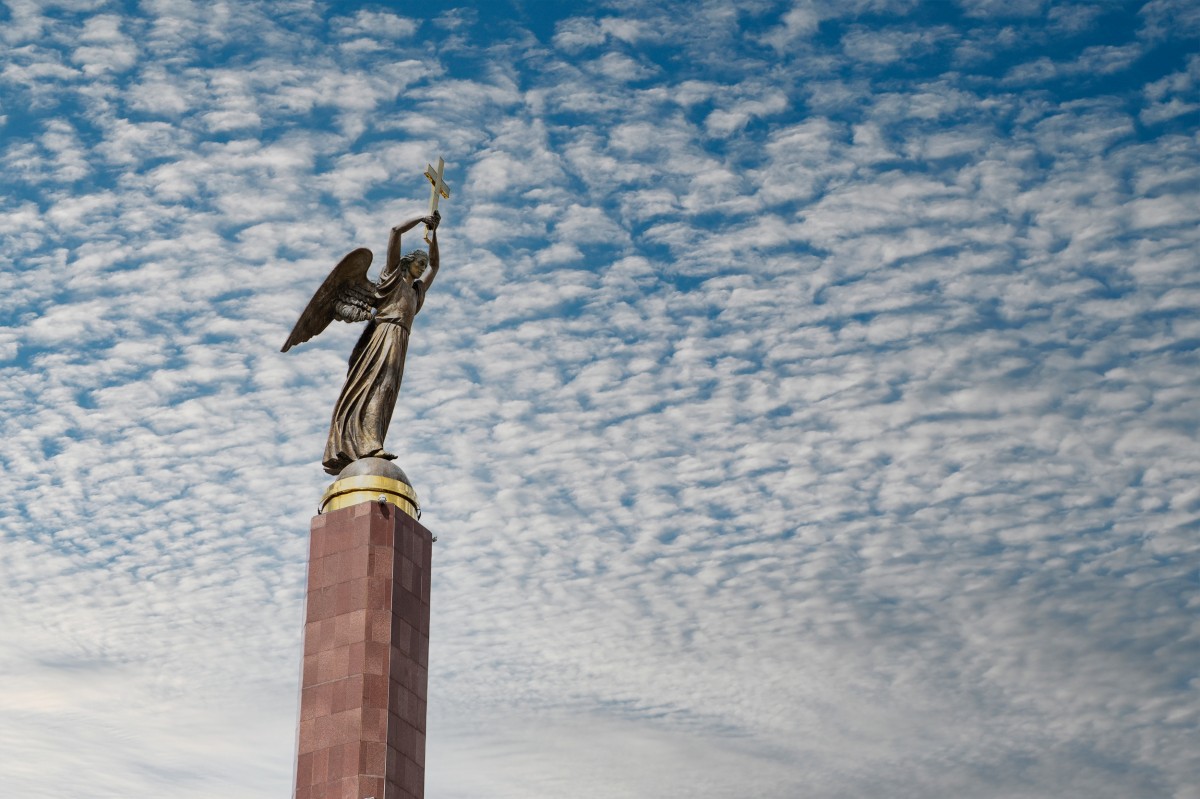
[{"x": 416, "y": 267}]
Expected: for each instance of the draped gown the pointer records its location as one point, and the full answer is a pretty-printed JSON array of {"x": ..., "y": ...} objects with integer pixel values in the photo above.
[{"x": 364, "y": 408}]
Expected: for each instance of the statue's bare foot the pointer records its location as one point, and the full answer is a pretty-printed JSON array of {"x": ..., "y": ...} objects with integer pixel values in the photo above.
[
  {"x": 335, "y": 465},
  {"x": 379, "y": 453}
]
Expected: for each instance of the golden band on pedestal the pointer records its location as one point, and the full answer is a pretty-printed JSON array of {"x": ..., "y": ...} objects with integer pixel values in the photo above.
[{"x": 370, "y": 488}]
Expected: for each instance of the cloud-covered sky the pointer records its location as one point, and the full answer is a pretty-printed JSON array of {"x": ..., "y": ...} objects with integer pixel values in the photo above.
[{"x": 807, "y": 405}]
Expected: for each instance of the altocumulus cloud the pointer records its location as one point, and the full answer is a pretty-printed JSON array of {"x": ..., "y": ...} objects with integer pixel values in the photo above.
[{"x": 807, "y": 405}]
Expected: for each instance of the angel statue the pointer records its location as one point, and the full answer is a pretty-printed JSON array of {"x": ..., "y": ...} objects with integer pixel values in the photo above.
[{"x": 364, "y": 408}]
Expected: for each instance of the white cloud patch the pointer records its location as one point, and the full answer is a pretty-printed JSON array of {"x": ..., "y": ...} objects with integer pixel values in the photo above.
[
  {"x": 104, "y": 47},
  {"x": 621, "y": 67},
  {"x": 886, "y": 47},
  {"x": 580, "y": 33},
  {"x": 1002, "y": 8},
  {"x": 727, "y": 120},
  {"x": 1099, "y": 60},
  {"x": 375, "y": 24},
  {"x": 1173, "y": 95}
]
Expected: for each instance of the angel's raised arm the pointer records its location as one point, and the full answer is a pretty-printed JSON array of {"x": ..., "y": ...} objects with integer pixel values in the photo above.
[
  {"x": 393, "y": 253},
  {"x": 435, "y": 258}
]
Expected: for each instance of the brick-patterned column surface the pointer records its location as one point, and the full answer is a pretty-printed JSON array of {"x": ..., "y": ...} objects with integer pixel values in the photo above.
[{"x": 366, "y": 656}]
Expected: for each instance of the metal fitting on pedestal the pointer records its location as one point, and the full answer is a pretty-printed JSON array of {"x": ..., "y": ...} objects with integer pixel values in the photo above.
[{"x": 371, "y": 480}]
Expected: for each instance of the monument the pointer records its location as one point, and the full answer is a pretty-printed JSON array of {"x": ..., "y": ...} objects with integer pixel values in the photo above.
[{"x": 366, "y": 631}]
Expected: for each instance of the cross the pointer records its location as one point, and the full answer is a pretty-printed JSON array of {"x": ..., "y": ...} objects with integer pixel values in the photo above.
[{"x": 439, "y": 187}]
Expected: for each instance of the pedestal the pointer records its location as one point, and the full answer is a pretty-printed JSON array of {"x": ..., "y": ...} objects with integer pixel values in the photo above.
[{"x": 366, "y": 655}]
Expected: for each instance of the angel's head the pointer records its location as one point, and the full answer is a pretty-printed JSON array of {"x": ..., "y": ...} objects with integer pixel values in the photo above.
[{"x": 414, "y": 264}]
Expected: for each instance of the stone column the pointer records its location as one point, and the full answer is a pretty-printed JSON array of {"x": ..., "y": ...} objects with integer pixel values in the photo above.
[{"x": 366, "y": 647}]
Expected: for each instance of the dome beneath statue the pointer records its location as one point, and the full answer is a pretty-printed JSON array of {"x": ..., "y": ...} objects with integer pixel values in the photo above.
[
  {"x": 372, "y": 480},
  {"x": 377, "y": 467}
]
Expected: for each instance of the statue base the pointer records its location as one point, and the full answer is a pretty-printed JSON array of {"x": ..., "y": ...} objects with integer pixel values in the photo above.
[
  {"x": 371, "y": 480},
  {"x": 366, "y": 649}
]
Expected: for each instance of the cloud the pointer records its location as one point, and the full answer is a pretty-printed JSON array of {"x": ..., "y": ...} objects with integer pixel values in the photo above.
[
  {"x": 1099, "y": 60},
  {"x": 1173, "y": 95},
  {"x": 994, "y": 8},
  {"x": 889, "y": 46},
  {"x": 105, "y": 47},
  {"x": 579, "y": 33},
  {"x": 1163, "y": 19},
  {"x": 375, "y": 24}
]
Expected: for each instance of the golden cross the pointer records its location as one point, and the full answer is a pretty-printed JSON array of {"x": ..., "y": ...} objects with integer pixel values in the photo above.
[{"x": 439, "y": 187}]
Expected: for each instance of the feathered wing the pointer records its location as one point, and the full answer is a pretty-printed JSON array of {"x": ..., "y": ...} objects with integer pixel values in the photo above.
[{"x": 346, "y": 295}]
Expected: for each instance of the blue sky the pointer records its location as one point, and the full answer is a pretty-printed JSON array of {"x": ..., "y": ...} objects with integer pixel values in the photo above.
[{"x": 807, "y": 405}]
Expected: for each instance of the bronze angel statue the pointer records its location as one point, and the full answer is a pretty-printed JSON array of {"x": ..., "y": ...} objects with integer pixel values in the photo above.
[{"x": 364, "y": 408}]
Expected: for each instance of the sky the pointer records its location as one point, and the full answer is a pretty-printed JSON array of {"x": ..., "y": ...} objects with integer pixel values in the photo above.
[{"x": 807, "y": 404}]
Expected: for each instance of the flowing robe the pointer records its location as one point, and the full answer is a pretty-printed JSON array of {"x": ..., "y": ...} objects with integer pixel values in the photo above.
[{"x": 364, "y": 408}]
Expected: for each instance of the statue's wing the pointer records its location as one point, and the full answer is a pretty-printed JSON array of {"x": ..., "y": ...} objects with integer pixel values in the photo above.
[{"x": 346, "y": 295}]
